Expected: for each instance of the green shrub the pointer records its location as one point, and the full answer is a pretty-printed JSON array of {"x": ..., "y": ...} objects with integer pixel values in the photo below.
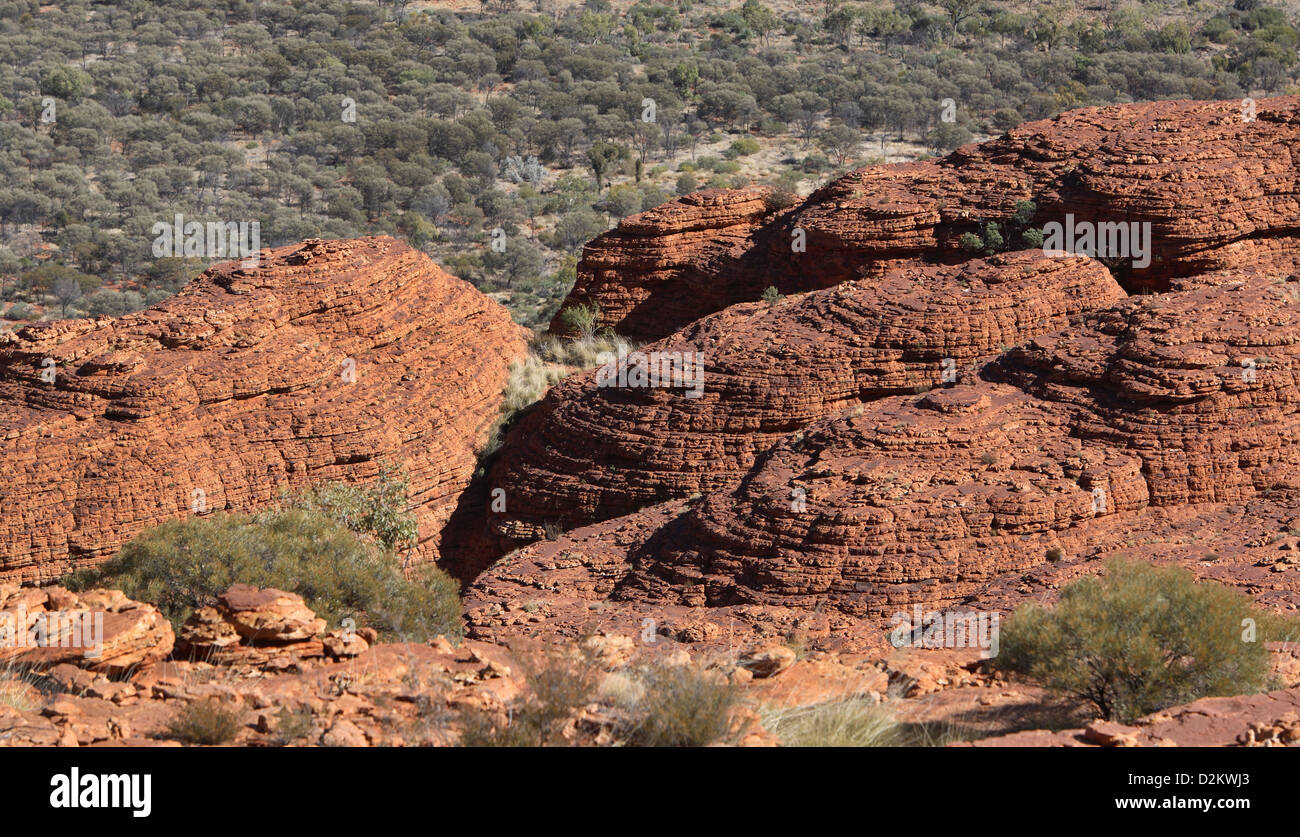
[
  {"x": 1139, "y": 639},
  {"x": 742, "y": 147},
  {"x": 771, "y": 295},
  {"x": 581, "y": 319},
  {"x": 19, "y": 311},
  {"x": 378, "y": 508},
  {"x": 184, "y": 564}
]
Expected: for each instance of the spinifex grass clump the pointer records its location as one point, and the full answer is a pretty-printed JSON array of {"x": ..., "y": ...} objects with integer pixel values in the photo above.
[
  {"x": 332, "y": 545},
  {"x": 1141, "y": 638},
  {"x": 558, "y": 686},
  {"x": 853, "y": 721},
  {"x": 207, "y": 722},
  {"x": 681, "y": 706}
]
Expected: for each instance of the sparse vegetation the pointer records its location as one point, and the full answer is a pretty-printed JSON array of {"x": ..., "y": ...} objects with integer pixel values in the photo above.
[
  {"x": 184, "y": 564},
  {"x": 550, "y": 360},
  {"x": 206, "y": 722},
  {"x": 581, "y": 319},
  {"x": 527, "y": 121},
  {"x": 853, "y": 721},
  {"x": 292, "y": 725},
  {"x": 1141, "y": 638},
  {"x": 1013, "y": 233},
  {"x": 19, "y": 688},
  {"x": 681, "y": 706},
  {"x": 558, "y": 685}
]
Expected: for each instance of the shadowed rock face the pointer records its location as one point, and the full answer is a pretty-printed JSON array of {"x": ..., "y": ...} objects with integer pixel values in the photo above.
[
  {"x": 1218, "y": 192},
  {"x": 323, "y": 361},
  {"x": 666, "y": 265},
  {"x": 590, "y": 452}
]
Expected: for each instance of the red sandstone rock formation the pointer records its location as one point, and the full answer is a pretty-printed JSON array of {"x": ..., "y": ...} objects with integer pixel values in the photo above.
[
  {"x": 661, "y": 265},
  {"x": 1138, "y": 425},
  {"x": 590, "y": 452},
  {"x": 1202, "y": 384},
  {"x": 324, "y": 361},
  {"x": 1218, "y": 191},
  {"x": 97, "y": 630}
]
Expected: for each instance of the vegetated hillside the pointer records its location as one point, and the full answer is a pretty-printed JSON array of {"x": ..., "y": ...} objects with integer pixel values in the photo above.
[{"x": 462, "y": 119}]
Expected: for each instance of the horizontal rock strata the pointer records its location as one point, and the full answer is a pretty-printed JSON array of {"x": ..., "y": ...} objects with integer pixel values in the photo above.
[
  {"x": 590, "y": 452},
  {"x": 320, "y": 363},
  {"x": 1162, "y": 417},
  {"x": 1218, "y": 190}
]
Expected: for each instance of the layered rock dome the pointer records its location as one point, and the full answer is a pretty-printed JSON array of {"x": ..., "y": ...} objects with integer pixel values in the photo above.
[
  {"x": 322, "y": 362},
  {"x": 831, "y": 470},
  {"x": 1217, "y": 187},
  {"x": 590, "y": 452},
  {"x": 1149, "y": 416}
]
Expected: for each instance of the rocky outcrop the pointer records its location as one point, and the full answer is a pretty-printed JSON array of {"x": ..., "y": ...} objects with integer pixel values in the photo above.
[
  {"x": 320, "y": 363},
  {"x": 97, "y": 630},
  {"x": 663, "y": 265},
  {"x": 1202, "y": 384},
  {"x": 1219, "y": 190},
  {"x": 592, "y": 451},
  {"x": 912, "y": 500},
  {"x": 1151, "y": 421},
  {"x": 265, "y": 627}
]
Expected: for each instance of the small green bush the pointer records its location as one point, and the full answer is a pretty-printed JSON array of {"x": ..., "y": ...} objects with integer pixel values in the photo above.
[
  {"x": 742, "y": 147},
  {"x": 581, "y": 319},
  {"x": 185, "y": 564},
  {"x": 1139, "y": 639}
]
